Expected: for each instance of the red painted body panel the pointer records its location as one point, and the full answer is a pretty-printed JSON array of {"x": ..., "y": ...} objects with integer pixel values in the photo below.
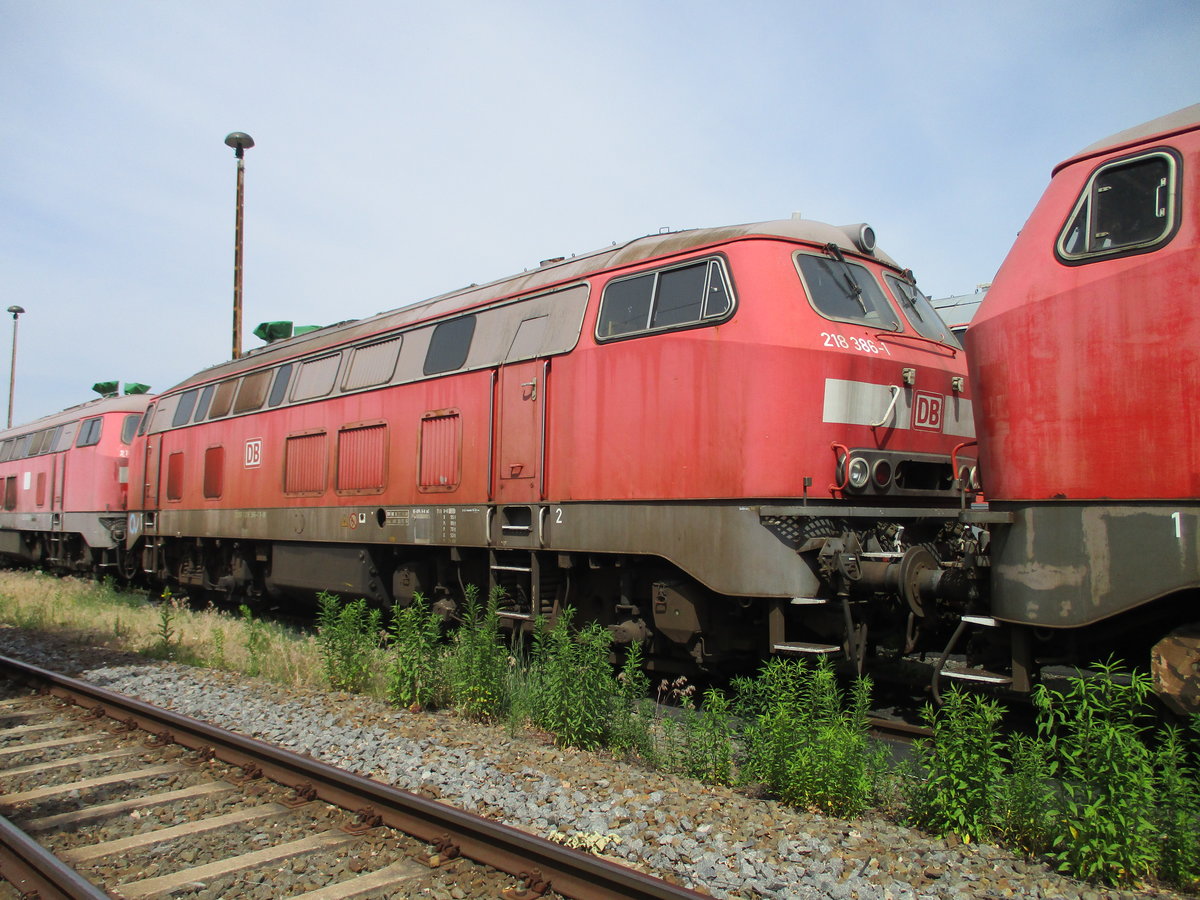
[
  {"x": 729, "y": 411},
  {"x": 1085, "y": 374}
]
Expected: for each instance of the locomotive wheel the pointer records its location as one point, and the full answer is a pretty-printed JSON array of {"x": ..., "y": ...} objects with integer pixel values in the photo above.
[{"x": 127, "y": 564}]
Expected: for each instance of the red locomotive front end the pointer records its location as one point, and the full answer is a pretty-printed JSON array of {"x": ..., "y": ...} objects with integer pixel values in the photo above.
[
  {"x": 65, "y": 484},
  {"x": 1085, "y": 356}
]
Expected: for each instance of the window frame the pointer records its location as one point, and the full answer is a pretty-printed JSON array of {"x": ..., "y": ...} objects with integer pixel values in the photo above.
[
  {"x": 204, "y": 402},
  {"x": 1087, "y": 195},
  {"x": 174, "y": 476},
  {"x": 252, "y": 391},
  {"x": 902, "y": 324},
  {"x": 144, "y": 426},
  {"x": 433, "y": 365},
  {"x": 184, "y": 407},
  {"x": 214, "y": 473},
  {"x": 295, "y": 395},
  {"x": 279, "y": 386},
  {"x": 722, "y": 265},
  {"x": 129, "y": 427},
  {"x": 895, "y": 285},
  {"x": 85, "y": 437},
  {"x": 363, "y": 351}
]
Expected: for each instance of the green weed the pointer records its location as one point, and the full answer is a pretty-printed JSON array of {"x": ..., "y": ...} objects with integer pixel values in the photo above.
[
  {"x": 256, "y": 641},
  {"x": 477, "y": 659},
  {"x": 573, "y": 682},
  {"x": 168, "y": 637},
  {"x": 217, "y": 658},
  {"x": 961, "y": 767},
  {"x": 413, "y": 673},
  {"x": 1104, "y": 823},
  {"x": 1177, "y": 817},
  {"x": 1024, "y": 797},
  {"x": 348, "y": 636},
  {"x": 805, "y": 740},
  {"x": 695, "y": 741},
  {"x": 632, "y": 713}
]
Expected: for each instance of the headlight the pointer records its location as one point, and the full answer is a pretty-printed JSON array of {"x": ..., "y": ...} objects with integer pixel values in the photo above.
[
  {"x": 882, "y": 473},
  {"x": 858, "y": 473}
]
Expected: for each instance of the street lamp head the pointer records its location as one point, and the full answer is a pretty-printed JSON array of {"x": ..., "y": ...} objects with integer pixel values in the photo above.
[
  {"x": 240, "y": 142},
  {"x": 16, "y": 310}
]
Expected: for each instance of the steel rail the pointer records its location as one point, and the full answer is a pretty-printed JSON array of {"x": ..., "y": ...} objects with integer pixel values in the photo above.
[
  {"x": 541, "y": 864},
  {"x": 34, "y": 871}
]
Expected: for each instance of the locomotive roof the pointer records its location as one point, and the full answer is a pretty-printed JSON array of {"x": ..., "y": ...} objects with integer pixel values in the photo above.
[
  {"x": 549, "y": 274},
  {"x": 1172, "y": 123},
  {"x": 129, "y": 403}
]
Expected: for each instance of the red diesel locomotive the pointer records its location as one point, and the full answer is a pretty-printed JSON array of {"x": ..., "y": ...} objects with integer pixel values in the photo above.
[
  {"x": 721, "y": 442},
  {"x": 1083, "y": 358},
  {"x": 65, "y": 481}
]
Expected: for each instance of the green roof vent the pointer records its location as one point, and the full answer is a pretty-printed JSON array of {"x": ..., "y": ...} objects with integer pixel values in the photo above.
[
  {"x": 107, "y": 388},
  {"x": 273, "y": 331},
  {"x": 136, "y": 387}
]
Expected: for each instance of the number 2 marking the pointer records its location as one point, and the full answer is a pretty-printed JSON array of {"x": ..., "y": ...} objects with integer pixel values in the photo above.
[{"x": 558, "y": 516}]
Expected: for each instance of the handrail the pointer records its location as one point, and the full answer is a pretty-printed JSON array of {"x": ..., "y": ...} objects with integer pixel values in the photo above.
[
  {"x": 883, "y": 335},
  {"x": 844, "y": 464},
  {"x": 895, "y": 389}
]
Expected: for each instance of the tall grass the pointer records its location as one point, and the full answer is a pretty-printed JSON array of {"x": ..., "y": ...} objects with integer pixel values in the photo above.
[{"x": 98, "y": 613}]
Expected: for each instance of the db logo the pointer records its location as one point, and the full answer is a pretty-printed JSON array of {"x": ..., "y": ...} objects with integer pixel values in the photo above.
[
  {"x": 254, "y": 453},
  {"x": 928, "y": 411}
]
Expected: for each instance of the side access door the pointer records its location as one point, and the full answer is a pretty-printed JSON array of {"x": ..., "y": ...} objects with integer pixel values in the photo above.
[{"x": 520, "y": 431}]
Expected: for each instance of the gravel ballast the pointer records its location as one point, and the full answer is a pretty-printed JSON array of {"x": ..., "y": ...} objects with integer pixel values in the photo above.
[{"x": 713, "y": 839}]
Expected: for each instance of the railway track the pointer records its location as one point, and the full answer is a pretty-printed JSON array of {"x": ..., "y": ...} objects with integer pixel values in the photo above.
[{"x": 105, "y": 795}]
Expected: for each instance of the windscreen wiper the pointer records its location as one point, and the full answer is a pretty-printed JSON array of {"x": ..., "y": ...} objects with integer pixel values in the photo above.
[
  {"x": 855, "y": 288},
  {"x": 908, "y": 298}
]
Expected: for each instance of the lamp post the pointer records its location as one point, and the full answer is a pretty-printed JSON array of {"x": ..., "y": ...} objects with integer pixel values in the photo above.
[
  {"x": 12, "y": 372},
  {"x": 240, "y": 142}
]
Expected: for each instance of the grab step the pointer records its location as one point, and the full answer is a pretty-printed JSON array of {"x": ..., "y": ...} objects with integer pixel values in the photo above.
[
  {"x": 979, "y": 676},
  {"x": 804, "y": 648}
]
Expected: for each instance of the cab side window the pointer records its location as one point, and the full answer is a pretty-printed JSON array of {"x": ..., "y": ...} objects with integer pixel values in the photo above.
[
  {"x": 89, "y": 432},
  {"x": 1127, "y": 206},
  {"x": 696, "y": 293}
]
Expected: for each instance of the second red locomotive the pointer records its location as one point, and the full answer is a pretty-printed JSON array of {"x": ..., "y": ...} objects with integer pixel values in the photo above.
[{"x": 1085, "y": 356}]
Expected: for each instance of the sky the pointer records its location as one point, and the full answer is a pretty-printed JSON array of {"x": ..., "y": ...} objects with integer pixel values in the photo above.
[{"x": 407, "y": 149}]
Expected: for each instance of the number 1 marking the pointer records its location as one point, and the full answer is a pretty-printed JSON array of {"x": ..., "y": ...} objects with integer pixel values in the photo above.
[{"x": 1178, "y": 525}]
